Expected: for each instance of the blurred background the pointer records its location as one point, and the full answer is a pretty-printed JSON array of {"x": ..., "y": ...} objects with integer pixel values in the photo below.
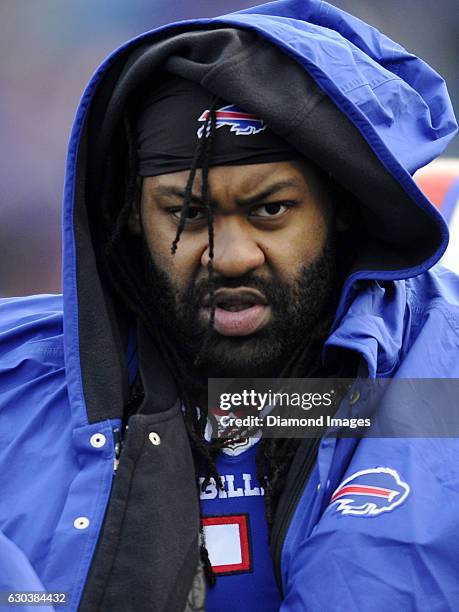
[{"x": 48, "y": 51}]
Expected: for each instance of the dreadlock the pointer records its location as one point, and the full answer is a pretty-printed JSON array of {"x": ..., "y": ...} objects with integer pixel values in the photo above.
[
  {"x": 203, "y": 153},
  {"x": 274, "y": 456}
]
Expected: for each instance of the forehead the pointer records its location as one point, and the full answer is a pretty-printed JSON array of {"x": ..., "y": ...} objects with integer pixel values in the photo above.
[{"x": 244, "y": 180}]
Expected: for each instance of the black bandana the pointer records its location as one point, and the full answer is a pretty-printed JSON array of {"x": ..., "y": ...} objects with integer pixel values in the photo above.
[{"x": 171, "y": 121}]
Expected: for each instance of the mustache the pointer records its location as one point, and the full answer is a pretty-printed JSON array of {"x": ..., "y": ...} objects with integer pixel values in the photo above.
[{"x": 268, "y": 287}]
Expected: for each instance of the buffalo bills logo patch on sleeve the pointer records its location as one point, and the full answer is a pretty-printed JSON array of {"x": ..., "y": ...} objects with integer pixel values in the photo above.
[
  {"x": 370, "y": 492},
  {"x": 241, "y": 123}
]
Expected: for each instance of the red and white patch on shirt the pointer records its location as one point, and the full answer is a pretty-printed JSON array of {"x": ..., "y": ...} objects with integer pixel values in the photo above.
[{"x": 228, "y": 543}]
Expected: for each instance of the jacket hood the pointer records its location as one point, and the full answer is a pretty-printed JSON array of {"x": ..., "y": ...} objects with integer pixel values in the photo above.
[{"x": 348, "y": 98}]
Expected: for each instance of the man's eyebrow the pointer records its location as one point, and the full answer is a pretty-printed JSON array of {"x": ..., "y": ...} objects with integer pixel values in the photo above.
[
  {"x": 266, "y": 193},
  {"x": 175, "y": 192},
  {"x": 273, "y": 189}
]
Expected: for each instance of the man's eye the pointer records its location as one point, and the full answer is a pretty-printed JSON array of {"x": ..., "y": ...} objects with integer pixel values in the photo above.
[
  {"x": 194, "y": 213},
  {"x": 274, "y": 209}
]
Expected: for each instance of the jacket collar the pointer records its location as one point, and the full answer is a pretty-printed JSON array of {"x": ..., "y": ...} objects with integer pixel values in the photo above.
[{"x": 373, "y": 326}]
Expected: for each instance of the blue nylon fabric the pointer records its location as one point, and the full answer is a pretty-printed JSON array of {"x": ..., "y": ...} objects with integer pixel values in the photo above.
[
  {"x": 16, "y": 575},
  {"x": 50, "y": 474},
  {"x": 406, "y": 558}
]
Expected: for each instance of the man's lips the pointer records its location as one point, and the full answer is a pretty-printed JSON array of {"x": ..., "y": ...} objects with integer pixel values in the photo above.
[{"x": 239, "y": 312}]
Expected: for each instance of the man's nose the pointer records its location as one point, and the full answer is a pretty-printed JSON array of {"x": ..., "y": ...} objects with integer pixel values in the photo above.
[{"x": 236, "y": 251}]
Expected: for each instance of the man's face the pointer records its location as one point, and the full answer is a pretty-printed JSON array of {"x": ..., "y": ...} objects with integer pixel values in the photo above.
[{"x": 272, "y": 265}]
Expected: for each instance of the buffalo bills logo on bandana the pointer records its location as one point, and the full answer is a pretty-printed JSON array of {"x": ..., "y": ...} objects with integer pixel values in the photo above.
[
  {"x": 370, "y": 492},
  {"x": 241, "y": 123}
]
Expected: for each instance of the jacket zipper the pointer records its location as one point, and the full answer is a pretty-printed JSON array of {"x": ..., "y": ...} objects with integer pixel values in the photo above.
[
  {"x": 117, "y": 447},
  {"x": 282, "y": 523},
  {"x": 280, "y": 529},
  {"x": 130, "y": 408}
]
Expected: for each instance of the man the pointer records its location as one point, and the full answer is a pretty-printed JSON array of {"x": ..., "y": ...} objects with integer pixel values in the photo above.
[{"x": 238, "y": 202}]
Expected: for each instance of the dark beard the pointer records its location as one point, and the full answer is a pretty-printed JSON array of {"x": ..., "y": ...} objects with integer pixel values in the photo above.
[{"x": 297, "y": 309}]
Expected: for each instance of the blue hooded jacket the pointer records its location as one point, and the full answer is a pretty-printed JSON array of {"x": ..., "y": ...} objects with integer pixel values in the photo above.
[{"x": 397, "y": 310}]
